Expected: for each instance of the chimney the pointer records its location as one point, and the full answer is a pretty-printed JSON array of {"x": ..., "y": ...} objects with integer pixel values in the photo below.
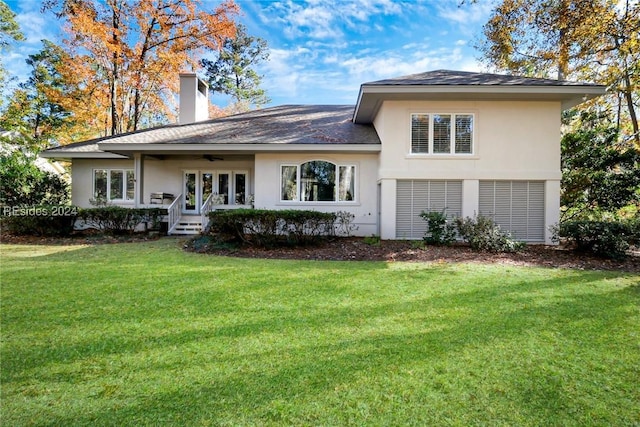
[{"x": 194, "y": 99}]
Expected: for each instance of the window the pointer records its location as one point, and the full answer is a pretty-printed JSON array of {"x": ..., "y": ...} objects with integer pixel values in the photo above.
[
  {"x": 114, "y": 184},
  {"x": 317, "y": 181},
  {"x": 442, "y": 133}
]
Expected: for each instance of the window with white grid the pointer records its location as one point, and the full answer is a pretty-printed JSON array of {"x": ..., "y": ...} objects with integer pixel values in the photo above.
[{"x": 435, "y": 133}]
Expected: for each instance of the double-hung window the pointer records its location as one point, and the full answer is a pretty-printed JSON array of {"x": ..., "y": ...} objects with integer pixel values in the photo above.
[
  {"x": 114, "y": 184},
  {"x": 317, "y": 181},
  {"x": 433, "y": 133}
]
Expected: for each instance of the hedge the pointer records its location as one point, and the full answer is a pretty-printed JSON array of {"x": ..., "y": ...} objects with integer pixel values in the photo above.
[{"x": 269, "y": 228}]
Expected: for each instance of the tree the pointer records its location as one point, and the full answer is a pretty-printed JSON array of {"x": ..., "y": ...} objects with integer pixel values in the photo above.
[
  {"x": 9, "y": 31},
  {"x": 596, "y": 40},
  {"x": 24, "y": 184},
  {"x": 126, "y": 55},
  {"x": 233, "y": 74},
  {"x": 41, "y": 121},
  {"x": 600, "y": 172}
]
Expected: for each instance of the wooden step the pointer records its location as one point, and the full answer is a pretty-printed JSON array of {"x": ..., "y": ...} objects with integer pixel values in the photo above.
[{"x": 187, "y": 226}]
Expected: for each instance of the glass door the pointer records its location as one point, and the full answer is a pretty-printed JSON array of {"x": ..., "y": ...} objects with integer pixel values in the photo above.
[
  {"x": 206, "y": 183},
  {"x": 223, "y": 186},
  {"x": 240, "y": 188},
  {"x": 190, "y": 193}
]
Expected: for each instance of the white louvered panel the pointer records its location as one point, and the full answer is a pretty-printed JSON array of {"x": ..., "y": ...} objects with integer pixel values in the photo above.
[
  {"x": 438, "y": 199},
  {"x": 420, "y": 204},
  {"x": 487, "y": 199},
  {"x": 536, "y": 212},
  {"x": 403, "y": 209},
  {"x": 517, "y": 206},
  {"x": 519, "y": 209},
  {"x": 502, "y": 204},
  {"x": 454, "y": 199}
]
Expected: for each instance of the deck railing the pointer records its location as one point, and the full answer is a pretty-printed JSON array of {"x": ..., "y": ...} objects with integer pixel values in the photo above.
[
  {"x": 174, "y": 211},
  {"x": 204, "y": 211}
]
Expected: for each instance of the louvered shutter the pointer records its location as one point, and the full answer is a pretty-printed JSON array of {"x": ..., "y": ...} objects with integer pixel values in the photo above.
[
  {"x": 415, "y": 196},
  {"x": 517, "y": 206}
]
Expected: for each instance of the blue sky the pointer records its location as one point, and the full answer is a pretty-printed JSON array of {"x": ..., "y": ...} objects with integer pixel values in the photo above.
[{"x": 322, "y": 50}]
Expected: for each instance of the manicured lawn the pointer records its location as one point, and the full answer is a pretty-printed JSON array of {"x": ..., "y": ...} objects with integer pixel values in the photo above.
[{"x": 146, "y": 334}]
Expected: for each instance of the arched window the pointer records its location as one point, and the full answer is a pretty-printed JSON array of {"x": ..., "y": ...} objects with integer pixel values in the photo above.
[{"x": 317, "y": 181}]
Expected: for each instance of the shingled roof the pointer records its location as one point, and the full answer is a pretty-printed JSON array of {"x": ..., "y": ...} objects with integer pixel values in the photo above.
[
  {"x": 446, "y": 85},
  {"x": 466, "y": 78},
  {"x": 327, "y": 125}
]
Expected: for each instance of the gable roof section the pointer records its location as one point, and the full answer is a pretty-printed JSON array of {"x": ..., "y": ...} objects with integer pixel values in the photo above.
[
  {"x": 283, "y": 128},
  {"x": 461, "y": 85}
]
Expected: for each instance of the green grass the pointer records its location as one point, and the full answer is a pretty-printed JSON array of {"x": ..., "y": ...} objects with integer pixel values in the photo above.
[{"x": 146, "y": 334}]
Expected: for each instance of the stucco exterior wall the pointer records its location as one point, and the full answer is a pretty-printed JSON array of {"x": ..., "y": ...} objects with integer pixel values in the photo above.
[
  {"x": 512, "y": 141},
  {"x": 364, "y": 208},
  {"x": 159, "y": 175}
]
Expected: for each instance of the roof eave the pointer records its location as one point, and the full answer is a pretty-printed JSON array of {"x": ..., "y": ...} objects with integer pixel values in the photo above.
[
  {"x": 128, "y": 149},
  {"x": 371, "y": 97},
  {"x": 64, "y": 155}
]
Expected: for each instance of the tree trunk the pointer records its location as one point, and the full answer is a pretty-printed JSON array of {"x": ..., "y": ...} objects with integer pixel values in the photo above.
[
  {"x": 632, "y": 111},
  {"x": 114, "y": 76}
]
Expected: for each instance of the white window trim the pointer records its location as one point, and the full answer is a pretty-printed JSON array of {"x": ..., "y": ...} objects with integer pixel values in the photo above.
[
  {"x": 452, "y": 141},
  {"x": 124, "y": 184},
  {"x": 338, "y": 165}
]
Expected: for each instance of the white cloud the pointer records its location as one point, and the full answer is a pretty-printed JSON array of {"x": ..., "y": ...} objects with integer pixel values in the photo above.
[
  {"x": 464, "y": 15},
  {"x": 323, "y": 19}
]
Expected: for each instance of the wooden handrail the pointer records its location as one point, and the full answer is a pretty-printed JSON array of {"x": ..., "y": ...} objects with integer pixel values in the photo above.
[
  {"x": 174, "y": 212},
  {"x": 204, "y": 211}
]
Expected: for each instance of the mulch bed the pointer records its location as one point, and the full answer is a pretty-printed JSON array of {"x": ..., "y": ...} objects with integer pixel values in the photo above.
[{"x": 356, "y": 249}]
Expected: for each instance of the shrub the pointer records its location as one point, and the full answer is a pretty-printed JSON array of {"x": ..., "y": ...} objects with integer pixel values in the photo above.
[
  {"x": 483, "y": 234},
  {"x": 270, "y": 228},
  {"x": 40, "y": 220},
  {"x": 119, "y": 220},
  {"x": 439, "y": 230},
  {"x": 372, "y": 240},
  {"x": 607, "y": 239},
  {"x": 24, "y": 184}
]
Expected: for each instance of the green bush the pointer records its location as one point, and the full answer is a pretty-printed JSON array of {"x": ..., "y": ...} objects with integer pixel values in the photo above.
[
  {"x": 607, "y": 239},
  {"x": 40, "y": 220},
  {"x": 119, "y": 220},
  {"x": 439, "y": 230},
  {"x": 268, "y": 228},
  {"x": 483, "y": 234},
  {"x": 24, "y": 184}
]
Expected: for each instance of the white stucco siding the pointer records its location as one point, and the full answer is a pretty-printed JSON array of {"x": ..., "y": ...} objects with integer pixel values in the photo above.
[
  {"x": 82, "y": 178},
  {"x": 512, "y": 141},
  {"x": 164, "y": 175},
  {"x": 167, "y": 175},
  {"x": 364, "y": 208}
]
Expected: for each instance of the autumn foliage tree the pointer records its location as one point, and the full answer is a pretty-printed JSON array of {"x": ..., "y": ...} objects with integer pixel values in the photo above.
[
  {"x": 592, "y": 40},
  {"x": 584, "y": 40},
  {"x": 125, "y": 56}
]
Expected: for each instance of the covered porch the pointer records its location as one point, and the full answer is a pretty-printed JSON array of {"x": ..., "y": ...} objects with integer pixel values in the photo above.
[{"x": 191, "y": 186}]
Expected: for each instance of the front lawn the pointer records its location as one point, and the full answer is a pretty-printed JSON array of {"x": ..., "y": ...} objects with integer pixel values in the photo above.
[{"x": 146, "y": 334}]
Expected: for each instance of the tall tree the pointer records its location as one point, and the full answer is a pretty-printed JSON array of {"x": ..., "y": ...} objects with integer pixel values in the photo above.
[
  {"x": 9, "y": 28},
  {"x": 31, "y": 110},
  {"x": 9, "y": 31},
  {"x": 600, "y": 171},
  {"x": 233, "y": 72},
  {"x": 126, "y": 54},
  {"x": 596, "y": 40}
]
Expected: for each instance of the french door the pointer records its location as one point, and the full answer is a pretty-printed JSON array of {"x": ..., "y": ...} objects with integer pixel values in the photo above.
[{"x": 230, "y": 186}]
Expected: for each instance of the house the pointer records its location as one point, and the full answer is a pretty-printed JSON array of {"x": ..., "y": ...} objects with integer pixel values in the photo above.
[{"x": 470, "y": 143}]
